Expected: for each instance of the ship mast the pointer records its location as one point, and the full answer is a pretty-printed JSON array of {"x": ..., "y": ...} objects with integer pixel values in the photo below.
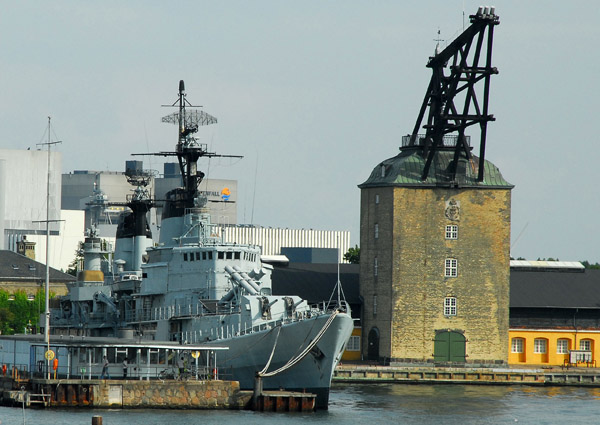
[{"x": 188, "y": 149}]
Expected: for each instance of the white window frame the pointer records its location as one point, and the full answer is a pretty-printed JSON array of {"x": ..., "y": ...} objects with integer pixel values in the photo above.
[
  {"x": 540, "y": 346},
  {"x": 353, "y": 343},
  {"x": 516, "y": 345},
  {"x": 562, "y": 346},
  {"x": 451, "y": 267},
  {"x": 450, "y": 306},
  {"x": 452, "y": 231},
  {"x": 585, "y": 344}
]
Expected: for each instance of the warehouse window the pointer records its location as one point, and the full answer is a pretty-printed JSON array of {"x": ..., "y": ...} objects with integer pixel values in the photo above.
[
  {"x": 452, "y": 231},
  {"x": 562, "y": 346},
  {"x": 353, "y": 343},
  {"x": 516, "y": 345},
  {"x": 539, "y": 346},
  {"x": 450, "y": 306},
  {"x": 451, "y": 267}
]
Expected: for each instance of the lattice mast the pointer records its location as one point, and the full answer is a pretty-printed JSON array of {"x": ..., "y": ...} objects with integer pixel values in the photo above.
[
  {"x": 459, "y": 79},
  {"x": 188, "y": 149}
]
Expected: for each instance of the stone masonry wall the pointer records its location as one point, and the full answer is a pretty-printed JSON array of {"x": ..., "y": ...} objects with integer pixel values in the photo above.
[
  {"x": 376, "y": 209},
  {"x": 481, "y": 286},
  {"x": 409, "y": 285},
  {"x": 171, "y": 394}
]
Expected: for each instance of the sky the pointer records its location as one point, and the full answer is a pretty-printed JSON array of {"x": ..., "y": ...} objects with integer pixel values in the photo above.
[{"x": 313, "y": 94}]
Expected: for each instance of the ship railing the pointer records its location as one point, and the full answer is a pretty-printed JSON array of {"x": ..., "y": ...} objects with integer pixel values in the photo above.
[
  {"x": 239, "y": 329},
  {"x": 18, "y": 372},
  {"x": 178, "y": 311}
]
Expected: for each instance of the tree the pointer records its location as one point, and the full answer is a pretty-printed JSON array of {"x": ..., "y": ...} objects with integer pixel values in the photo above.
[
  {"x": 588, "y": 265},
  {"x": 353, "y": 255},
  {"x": 18, "y": 312}
]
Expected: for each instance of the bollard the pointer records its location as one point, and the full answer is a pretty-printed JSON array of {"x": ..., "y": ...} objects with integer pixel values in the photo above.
[{"x": 96, "y": 420}]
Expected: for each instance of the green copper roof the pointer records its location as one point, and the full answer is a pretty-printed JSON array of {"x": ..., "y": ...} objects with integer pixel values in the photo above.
[{"x": 406, "y": 168}]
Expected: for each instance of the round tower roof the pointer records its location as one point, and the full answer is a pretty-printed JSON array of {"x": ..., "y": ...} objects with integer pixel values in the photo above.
[{"x": 406, "y": 169}]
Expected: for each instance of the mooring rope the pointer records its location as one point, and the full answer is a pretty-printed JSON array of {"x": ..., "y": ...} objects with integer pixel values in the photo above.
[
  {"x": 294, "y": 360},
  {"x": 272, "y": 352}
]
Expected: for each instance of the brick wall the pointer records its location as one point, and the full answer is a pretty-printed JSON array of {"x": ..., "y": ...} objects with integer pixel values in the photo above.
[{"x": 410, "y": 286}]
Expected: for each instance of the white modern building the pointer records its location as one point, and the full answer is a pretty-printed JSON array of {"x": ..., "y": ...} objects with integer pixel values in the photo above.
[{"x": 24, "y": 185}]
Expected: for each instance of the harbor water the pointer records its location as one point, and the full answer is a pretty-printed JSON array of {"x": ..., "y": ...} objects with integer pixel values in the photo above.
[{"x": 369, "y": 404}]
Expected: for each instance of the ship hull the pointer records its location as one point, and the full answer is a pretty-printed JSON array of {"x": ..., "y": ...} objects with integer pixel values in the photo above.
[{"x": 249, "y": 354}]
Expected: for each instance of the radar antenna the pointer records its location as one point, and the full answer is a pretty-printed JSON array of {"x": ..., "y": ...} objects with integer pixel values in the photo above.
[
  {"x": 465, "y": 72},
  {"x": 188, "y": 149}
]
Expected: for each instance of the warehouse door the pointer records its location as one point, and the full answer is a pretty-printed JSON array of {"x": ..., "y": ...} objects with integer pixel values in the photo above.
[
  {"x": 449, "y": 346},
  {"x": 373, "y": 348}
]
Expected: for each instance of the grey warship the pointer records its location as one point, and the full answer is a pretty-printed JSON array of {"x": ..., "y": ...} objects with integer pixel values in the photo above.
[{"x": 193, "y": 288}]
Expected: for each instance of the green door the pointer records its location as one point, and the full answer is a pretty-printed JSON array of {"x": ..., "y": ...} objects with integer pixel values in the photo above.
[{"x": 449, "y": 346}]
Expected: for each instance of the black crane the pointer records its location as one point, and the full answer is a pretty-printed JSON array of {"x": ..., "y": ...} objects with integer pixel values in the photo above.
[{"x": 456, "y": 70}]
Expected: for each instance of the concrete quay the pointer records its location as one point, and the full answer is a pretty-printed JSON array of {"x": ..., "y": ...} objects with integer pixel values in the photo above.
[{"x": 362, "y": 373}]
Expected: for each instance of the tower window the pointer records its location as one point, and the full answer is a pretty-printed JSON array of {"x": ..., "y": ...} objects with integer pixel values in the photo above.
[
  {"x": 375, "y": 267},
  {"x": 374, "y": 305},
  {"x": 451, "y": 267},
  {"x": 450, "y": 306},
  {"x": 376, "y": 231},
  {"x": 382, "y": 170},
  {"x": 452, "y": 231},
  {"x": 376, "y": 199}
]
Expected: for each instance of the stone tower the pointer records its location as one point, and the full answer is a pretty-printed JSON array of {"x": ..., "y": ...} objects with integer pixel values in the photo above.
[{"x": 435, "y": 227}]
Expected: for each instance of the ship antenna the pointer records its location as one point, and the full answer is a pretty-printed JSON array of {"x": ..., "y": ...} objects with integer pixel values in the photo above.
[{"x": 188, "y": 149}]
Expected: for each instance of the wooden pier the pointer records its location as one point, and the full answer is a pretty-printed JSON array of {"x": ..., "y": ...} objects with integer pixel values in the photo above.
[{"x": 284, "y": 401}]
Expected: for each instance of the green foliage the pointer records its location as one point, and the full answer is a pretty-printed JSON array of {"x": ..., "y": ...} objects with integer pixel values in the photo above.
[
  {"x": 18, "y": 313},
  {"x": 353, "y": 255},
  {"x": 77, "y": 261},
  {"x": 588, "y": 265}
]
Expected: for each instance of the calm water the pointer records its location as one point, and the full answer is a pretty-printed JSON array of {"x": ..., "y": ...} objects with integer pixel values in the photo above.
[{"x": 371, "y": 404}]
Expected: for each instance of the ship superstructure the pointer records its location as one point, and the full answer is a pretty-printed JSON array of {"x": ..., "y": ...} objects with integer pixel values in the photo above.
[{"x": 193, "y": 288}]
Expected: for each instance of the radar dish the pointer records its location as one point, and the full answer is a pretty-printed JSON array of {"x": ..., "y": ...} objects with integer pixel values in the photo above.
[{"x": 193, "y": 116}]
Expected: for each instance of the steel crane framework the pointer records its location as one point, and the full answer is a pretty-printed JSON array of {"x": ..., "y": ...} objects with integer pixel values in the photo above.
[{"x": 470, "y": 59}]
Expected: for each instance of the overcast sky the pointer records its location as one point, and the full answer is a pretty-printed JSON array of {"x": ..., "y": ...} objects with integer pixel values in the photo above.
[{"x": 314, "y": 94}]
